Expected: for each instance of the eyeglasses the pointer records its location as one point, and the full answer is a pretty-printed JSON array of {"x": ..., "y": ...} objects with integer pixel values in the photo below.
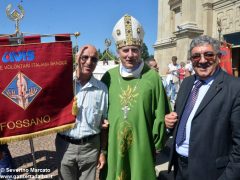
[
  {"x": 209, "y": 56},
  {"x": 93, "y": 59}
]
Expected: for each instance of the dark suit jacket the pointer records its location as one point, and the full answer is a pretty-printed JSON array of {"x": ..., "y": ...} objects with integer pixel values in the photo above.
[{"x": 214, "y": 145}]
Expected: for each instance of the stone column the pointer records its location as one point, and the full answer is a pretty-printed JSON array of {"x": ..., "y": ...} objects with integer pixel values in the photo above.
[
  {"x": 188, "y": 14},
  {"x": 187, "y": 30},
  {"x": 165, "y": 44},
  {"x": 164, "y": 22},
  {"x": 160, "y": 21},
  {"x": 207, "y": 15}
]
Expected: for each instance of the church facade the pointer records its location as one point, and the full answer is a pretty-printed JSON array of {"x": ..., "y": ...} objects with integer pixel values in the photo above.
[{"x": 179, "y": 21}]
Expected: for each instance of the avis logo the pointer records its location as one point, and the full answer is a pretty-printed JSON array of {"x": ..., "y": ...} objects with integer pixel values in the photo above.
[
  {"x": 18, "y": 56},
  {"x": 22, "y": 90}
]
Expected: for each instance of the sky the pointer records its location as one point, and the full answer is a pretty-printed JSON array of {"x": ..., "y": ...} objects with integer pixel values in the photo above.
[{"x": 94, "y": 19}]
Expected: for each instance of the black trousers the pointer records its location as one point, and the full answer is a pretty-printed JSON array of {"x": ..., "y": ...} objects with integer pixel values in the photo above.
[{"x": 182, "y": 172}]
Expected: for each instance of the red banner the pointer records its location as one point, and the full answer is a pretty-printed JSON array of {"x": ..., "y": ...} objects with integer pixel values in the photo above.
[
  {"x": 35, "y": 90},
  {"x": 226, "y": 58}
]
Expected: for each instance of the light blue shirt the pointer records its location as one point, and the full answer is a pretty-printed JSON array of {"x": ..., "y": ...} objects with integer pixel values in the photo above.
[
  {"x": 183, "y": 149},
  {"x": 92, "y": 102}
]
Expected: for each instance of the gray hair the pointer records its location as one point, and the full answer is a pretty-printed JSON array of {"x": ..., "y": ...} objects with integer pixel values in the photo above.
[{"x": 203, "y": 40}]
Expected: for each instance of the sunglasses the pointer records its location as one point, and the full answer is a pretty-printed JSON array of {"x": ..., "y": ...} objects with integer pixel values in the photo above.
[
  {"x": 209, "y": 56},
  {"x": 93, "y": 59}
]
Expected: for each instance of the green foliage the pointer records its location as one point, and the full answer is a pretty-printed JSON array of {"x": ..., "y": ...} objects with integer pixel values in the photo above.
[
  {"x": 145, "y": 54},
  {"x": 151, "y": 56},
  {"x": 100, "y": 54},
  {"x": 74, "y": 51},
  {"x": 107, "y": 55}
]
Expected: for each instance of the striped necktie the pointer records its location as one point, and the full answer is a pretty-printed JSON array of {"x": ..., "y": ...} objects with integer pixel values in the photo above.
[{"x": 181, "y": 132}]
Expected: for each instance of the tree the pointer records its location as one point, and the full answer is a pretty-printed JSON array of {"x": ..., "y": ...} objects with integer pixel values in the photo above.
[
  {"x": 145, "y": 54},
  {"x": 74, "y": 52},
  {"x": 100, "y": 54},
  {"x": 107, "y": 55},
  {"x": 151, "y": 56}
]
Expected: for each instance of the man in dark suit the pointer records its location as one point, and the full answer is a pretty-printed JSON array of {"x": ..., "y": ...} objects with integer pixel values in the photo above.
[{"x": 206, "y": 136}]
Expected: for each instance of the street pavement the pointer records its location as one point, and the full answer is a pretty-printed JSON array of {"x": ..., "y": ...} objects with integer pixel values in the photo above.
[
  {"x": 44, "y": 148},
  {"x": 162, "y": 159}
]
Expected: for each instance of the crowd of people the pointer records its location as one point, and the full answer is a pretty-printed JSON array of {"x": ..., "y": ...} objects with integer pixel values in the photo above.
[
  {"x": 121, "y": 120},
  {"x": 175, "y": 75}
]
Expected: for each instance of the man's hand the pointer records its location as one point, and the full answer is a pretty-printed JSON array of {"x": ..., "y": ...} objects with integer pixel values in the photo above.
[
  {"x": 101, "y": 161},
  {"x": 105, "y": 124},
  {"x": 171, "y": 119}
]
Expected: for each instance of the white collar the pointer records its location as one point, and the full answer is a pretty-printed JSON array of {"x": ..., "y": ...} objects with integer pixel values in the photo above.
[
  {"x": 92, "y": 82},
  {"x": 136, "y": 73}
]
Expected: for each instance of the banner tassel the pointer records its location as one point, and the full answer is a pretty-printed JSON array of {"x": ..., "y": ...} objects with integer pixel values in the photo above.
[
  {"x": 36, "y": 134},
  {"x": 74, "y": 107}
]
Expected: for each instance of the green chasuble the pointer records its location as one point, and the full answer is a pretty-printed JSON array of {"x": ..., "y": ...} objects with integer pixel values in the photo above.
[{"x": 136, "y": 116}]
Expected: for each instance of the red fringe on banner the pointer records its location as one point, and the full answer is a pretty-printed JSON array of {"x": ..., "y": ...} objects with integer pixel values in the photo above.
[
  {"x": 62, "y": 37},
  {"x": 4, "y": 41},
  {"x": 32, "y": 39}
]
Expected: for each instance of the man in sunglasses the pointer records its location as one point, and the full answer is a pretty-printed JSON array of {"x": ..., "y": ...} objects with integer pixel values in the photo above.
[
  {"x": 137, "y": 106},
  {"x": 78, "y": 149},
  {"x": 207, "y": 115}
]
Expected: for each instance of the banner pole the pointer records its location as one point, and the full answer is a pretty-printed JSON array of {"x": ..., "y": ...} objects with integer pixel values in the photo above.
[
  {"x": 33, "y": 156},
  {"x": 16, "y": 16},
  {"x": 16, "y": 36}
]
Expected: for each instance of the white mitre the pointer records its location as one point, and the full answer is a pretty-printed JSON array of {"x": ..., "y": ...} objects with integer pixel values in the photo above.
[{"x": 127, "y": 32}]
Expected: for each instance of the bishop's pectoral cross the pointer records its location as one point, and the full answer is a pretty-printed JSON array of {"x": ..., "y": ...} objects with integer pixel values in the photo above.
[{"x": 125, "y": 110}]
